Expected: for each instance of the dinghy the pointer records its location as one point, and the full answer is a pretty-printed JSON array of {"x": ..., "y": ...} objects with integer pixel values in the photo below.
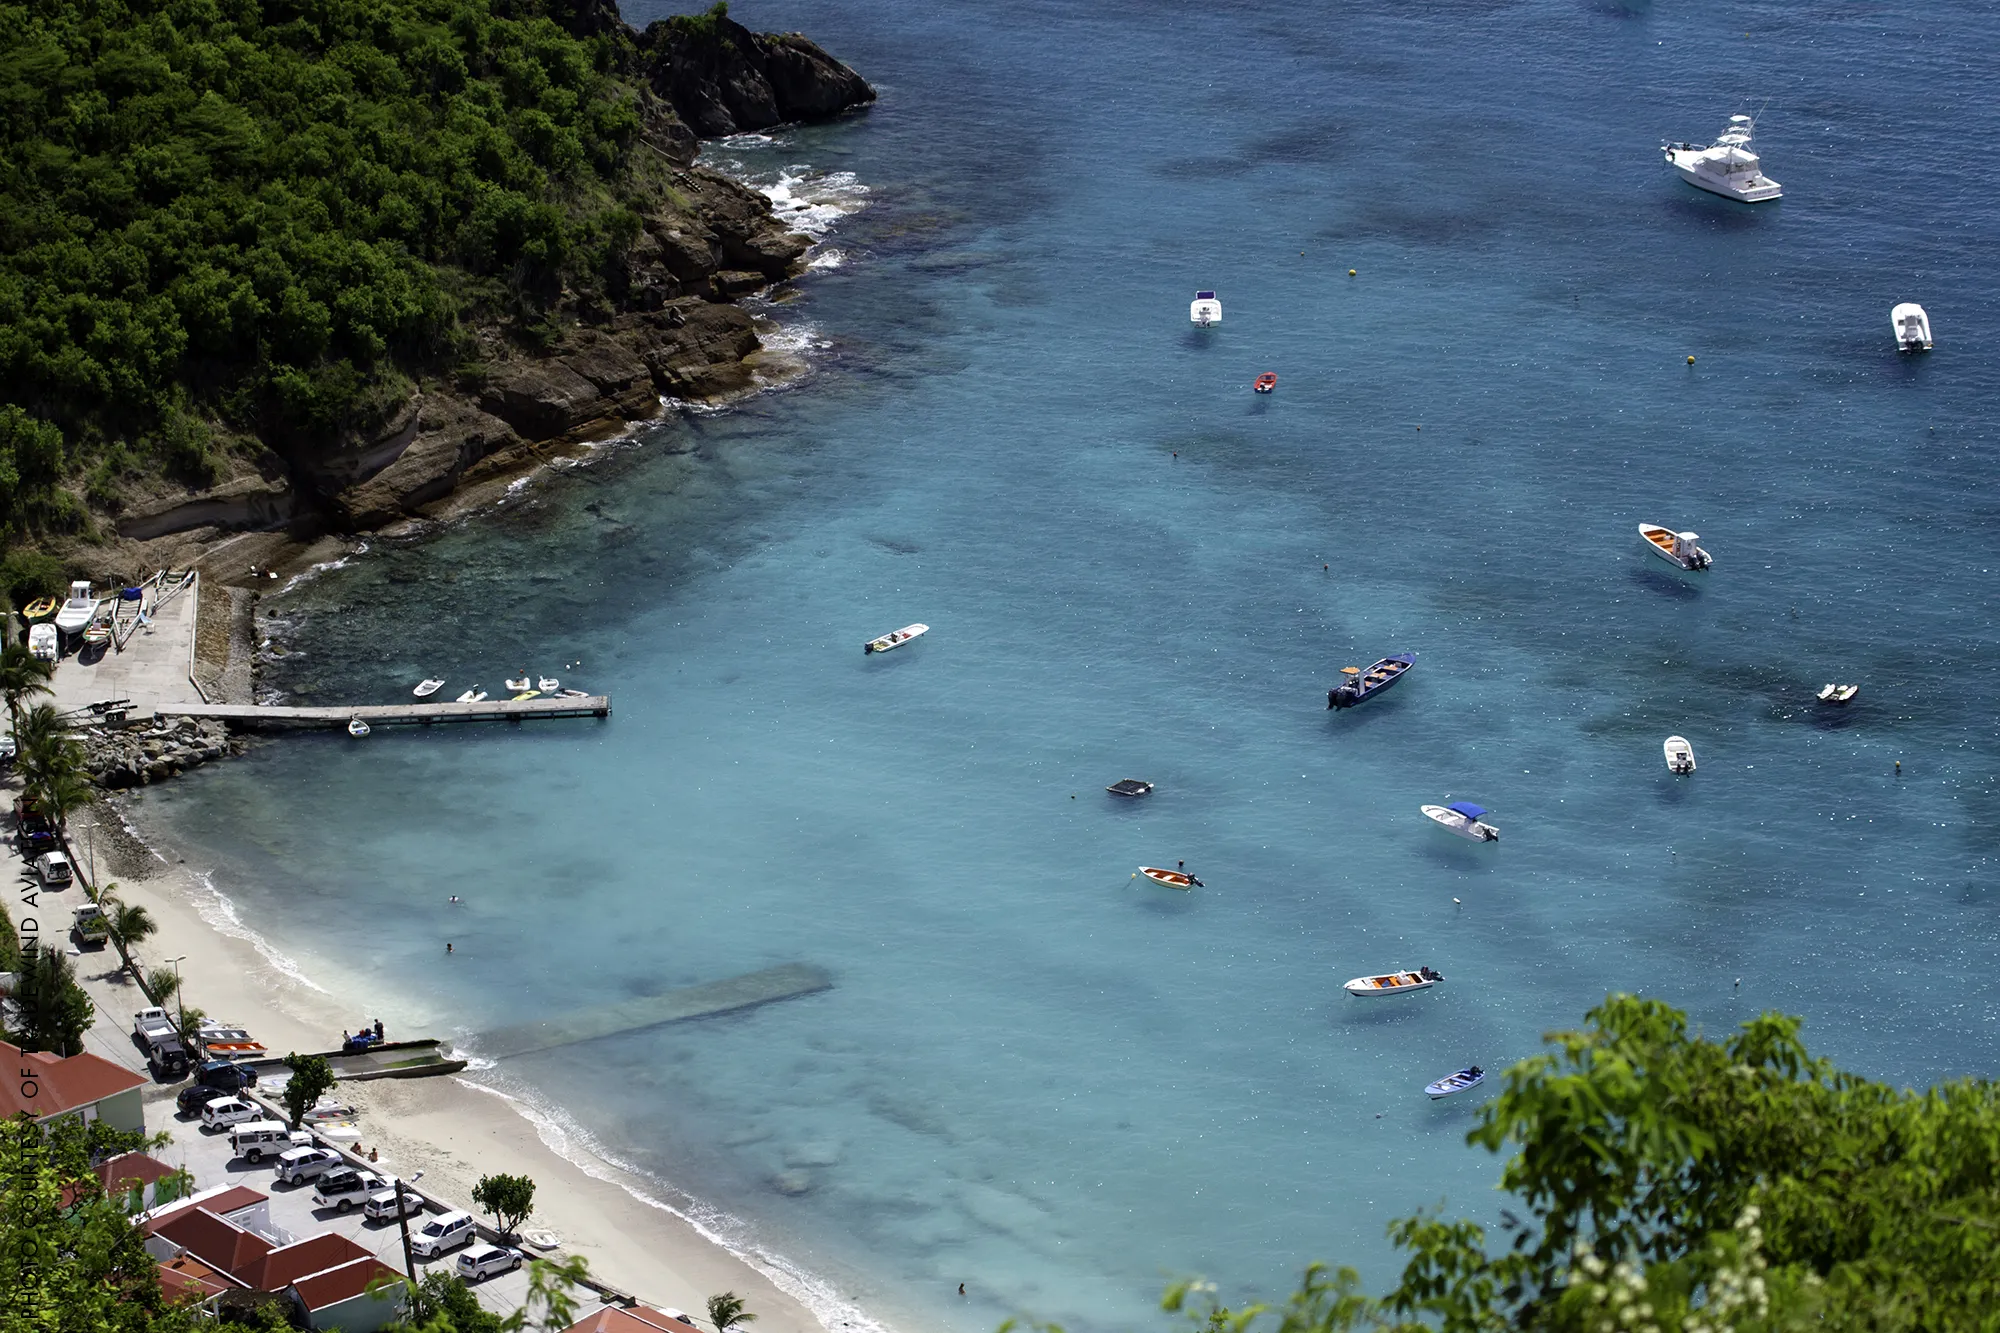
[
  {"x": 473, "y": 696},
  {"x": 1361, "y": 684},
  {"x": 429, "y": 687},
  {"x": 894, "y": 640},
  {"x": 97, "y": 635},
  {"x": 1129, "y": 787},
  {"x": 1680, "y": 755},
  {"x": 576, "y": 694},
  {"x": 522, "y": 684},
  {"x": 1912, "y": 326},
  {"x": 548, "y": 684},
  {"x": 526, "y": 695},
  {"x": 1470, "y": 1077},
  {"x": 1839, "y": 694},
  {"x": 1677, "y": 547},
  {"x": 40, "y": 609},
  {"x": 356, "y": 727},
  {"x": 1394, "y": 983},
  {"x": 1462, "y": 818},
  {"x": 1172, "y": 879},
  {"x": 1204, "y": 310},
  {"x": 1266, "y": 382}
]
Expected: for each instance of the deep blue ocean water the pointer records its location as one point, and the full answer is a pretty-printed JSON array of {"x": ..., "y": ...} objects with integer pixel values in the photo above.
[{"x": 1033, "y": 1076}]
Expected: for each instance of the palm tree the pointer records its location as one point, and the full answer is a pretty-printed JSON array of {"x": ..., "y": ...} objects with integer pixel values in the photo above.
[
  {"x": 22, "y": 674},
  {"x": 61, "y": 791},
  {"x": 726, "y": 1311},
  {"x": 127, "y": 924}
]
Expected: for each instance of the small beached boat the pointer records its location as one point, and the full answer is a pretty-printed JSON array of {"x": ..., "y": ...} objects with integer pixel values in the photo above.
[
  {"x": 548, "y": 684},
  {"x": 1266, "y": 382},
  {"x": 1129, "y": 787},
  {"x": 1839, "y": 694},
  {"x": 356, "y": 727},
  {"x": 1677, "y": 547},
  {"x": 1462, "y": 818},
  {"x": 1912, "y": 327},
  {"x": 44, "y": 642},
  {"x": 1394, "y": 983},
  {"x": 429, "y": 687},
  {"x": 1680, "y": 755},
  {"x": 524, "y": 683},
  {"x": 1469, "y": 1077},
  {"x": 40, "y": 609},
  {"x": 894, "y": 640},
  {"x": 1361, "y": 684},
  {"x": 1173, "y": 879},
  {"x": 81, "y": 608},
  {"x": 1204, "y": 309}
]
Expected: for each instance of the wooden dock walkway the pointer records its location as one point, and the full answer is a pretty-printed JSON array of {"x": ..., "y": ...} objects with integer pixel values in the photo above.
[{"x": 389, "y": 715}]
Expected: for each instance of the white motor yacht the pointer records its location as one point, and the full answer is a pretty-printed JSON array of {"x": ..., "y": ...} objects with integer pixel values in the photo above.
[
  {"x": 1727, "y": 167},
  {"x": 1204, "y": 309},
  {"x": 1912, "y": 326},
  {"x": 79, "y": 610}
]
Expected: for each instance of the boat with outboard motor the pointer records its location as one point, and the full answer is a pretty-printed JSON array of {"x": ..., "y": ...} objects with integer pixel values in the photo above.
[
  {"x": 1394, "y": 983},
  {"x": 1130, "y": 787},
  {"x": 894, "y": 640},
  {"x": 1677, "y": 547},
  {"x": 356, "y": 727},
  {"x": 1469, "y": 1077},
  {"x": 1838, "y": 694},
  {"x": 1463, "y": 818},
  {"x": 1727, "y": 167},
  {"x": 1361, "y": 685},
  {"x": 79, "y": 610},
  {"x": 1680, "y": 755},
  {"x": 475, "y": 695},
  {"x": 429, "y": 686},
  {"x": 1265, "y": 382},
  {"x": 1912, "y": 327},
  {"x": 1172, "y": 879},
  {"x": 1204, "y": 310}
]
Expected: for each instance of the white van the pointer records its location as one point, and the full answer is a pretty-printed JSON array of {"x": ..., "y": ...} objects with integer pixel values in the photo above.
[
  {"x": 447, "y": 1231},
  {"x": 257, "y": 1139}
]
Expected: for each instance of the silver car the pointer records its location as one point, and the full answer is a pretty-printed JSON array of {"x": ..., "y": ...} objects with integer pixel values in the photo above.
[
  {"x": 382, "y": 1207},
  {"x": 304, "y": 1163},
  {"x": 486, "y": 1261}
]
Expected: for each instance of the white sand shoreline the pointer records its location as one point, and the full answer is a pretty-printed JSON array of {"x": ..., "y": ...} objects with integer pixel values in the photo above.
[{"x": 455, "y": 1129}]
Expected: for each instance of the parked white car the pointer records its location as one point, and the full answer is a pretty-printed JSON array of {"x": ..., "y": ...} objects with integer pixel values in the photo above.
[
  {"x": 443, "y": 1233},
  {"x": 55, "y": 870},
  {"x": 486, "y": 1261},
  {"x": 302, "y": 1164},
  {"x": 224, "y": 1111},
  {"x": 254, "y": 1140},
  {"x": 382, "y": 1207}
]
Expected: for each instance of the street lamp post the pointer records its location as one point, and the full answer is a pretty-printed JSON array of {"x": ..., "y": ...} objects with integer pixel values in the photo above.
[{"x": 180, "y": 1001}]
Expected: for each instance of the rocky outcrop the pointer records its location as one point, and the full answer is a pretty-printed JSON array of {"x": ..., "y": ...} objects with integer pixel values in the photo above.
[
  {"x": 724, "y": 79},
  {"x": 452, "y": 435},
  {"x": 245, "y": 504},
  {"x": 135, "y": 756}
]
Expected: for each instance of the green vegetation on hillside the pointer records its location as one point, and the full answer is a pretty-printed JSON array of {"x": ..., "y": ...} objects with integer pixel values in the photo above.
[{"x": 272, "y": 216}]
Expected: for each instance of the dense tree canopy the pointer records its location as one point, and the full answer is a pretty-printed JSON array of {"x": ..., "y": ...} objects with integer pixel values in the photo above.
[{"x": 268, "y": 213}]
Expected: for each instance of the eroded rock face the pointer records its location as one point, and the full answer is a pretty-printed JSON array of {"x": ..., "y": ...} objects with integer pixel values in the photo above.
[
  {"x": 452, "y": 435},
  {"x": 730, "y": 79},
  {"x": 245, "y": 504}
]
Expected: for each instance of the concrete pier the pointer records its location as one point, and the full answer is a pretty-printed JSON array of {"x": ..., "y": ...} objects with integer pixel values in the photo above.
[
  {"x": 382, "y": 715},
  {"x": 675, "y": 1006}
]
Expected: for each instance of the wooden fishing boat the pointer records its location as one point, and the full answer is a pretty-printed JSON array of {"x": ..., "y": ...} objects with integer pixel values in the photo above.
[
  {"x": 1266, "y": 382},
  {"x": 894, "y": 640},
  {"x": 1394, "y": 983},
  {"x": 1463, "y": 818},
  {"x": 1129, "y": 787},
  {"x": 429, "y": 687},
  {"x": 97, "y": 635},
  {"x": 1680, "y": 755},
  {"x": 40, "y": 609},
  {"x": 1841, "y": 695},
  {"x": 1470, "y": 1077},
  {"x": 1173, "y": 879},
  {"x": 1361, "y": 685},
  {"x": 1676, "y": 548}
]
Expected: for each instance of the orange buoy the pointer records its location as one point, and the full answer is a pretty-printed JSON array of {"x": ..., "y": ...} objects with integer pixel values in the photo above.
[{"x": 1266, "y": 382}]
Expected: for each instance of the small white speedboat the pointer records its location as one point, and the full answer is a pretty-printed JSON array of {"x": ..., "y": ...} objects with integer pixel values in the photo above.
[
  {"x": 1839, "y": 694},
  {"x": 429, "y": 687},
  {"x": 522, "y": 684},
  {"x": 1675, "y": 547},
  {"x": 356, "y": 727},
  {"x": 894, "y": 640},
  {"x": 1470, "y": 1077},
  {"x": 548, "y": 684},
  {"x": 1204, "y": 310},
  {"x": 576, "y": 694},
  {"x": 1912, "y": 327},
  {"x": 1172, "y": 879},
  {"x": 475, "y": 695},
  {"x": 1680, "y": 755},
  {"x": 1728, "y": 167},
  {"x": 1463, "y": 818},
  {"x": 1394, "y": 983}
]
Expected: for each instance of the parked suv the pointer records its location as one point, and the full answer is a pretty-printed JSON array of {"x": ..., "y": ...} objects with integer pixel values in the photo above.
[
  {"x": 225, "y": 1074},
  {"x": 55, "y": 870},
  {"x": 255, "y": 1140},
  {"x": 302, "y": 1164},
  {"x": 382, "y": 1207},
  {"x": 194, "y": 1097},
  {"x": 346, "y": 1188},
  {"x": 486, "y": 1261},
  {"x": 443, "y": 1233},
  {"x": 229, "y": 1111}
]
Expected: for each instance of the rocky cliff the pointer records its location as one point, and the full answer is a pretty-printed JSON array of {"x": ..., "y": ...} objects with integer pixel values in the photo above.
[{"x": 673, "y": 330}]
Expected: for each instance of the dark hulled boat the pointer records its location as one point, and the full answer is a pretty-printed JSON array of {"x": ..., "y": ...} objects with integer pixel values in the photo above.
[{"x": 1361, "y": 685}]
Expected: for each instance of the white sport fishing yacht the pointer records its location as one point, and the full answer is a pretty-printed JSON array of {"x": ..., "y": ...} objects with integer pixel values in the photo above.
[{"x": 1728, "y": 167}]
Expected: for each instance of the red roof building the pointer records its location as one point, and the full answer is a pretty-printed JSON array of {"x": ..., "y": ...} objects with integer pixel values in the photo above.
[
  {"x": 631, "y": 1319},
  {"x": 87, "y": 1085},
  {"x": 327, "y": 1273}
]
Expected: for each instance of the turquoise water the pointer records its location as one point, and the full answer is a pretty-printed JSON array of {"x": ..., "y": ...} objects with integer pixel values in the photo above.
[{"x": 1032, "y": 1075}]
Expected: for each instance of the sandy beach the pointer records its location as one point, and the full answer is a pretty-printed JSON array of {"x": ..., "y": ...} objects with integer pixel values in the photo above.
[{"x": 451, "y": 1128}]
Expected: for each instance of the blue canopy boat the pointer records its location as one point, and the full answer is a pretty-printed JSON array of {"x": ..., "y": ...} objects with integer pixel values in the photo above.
[
  {"x": 1463, "y": 818},
  {"x": 1361, "y": 684}
]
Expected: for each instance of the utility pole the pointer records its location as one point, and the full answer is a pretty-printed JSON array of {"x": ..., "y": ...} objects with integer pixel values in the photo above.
[
  {"x": 403, "y": 1221},
  {"x": 180, "y": 1000}
]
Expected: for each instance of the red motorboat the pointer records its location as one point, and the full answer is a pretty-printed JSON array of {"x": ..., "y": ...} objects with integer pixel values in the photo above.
[{"x": 1266, "y": 382}]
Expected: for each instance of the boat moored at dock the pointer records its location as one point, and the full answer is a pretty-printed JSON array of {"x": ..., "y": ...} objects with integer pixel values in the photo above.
[
  {"x": 1361, "y": 685},
  {"x": 1394, "y": 983},
  {"x": 1678, "y": 548},
  {"x": 1463, "y": 818}
]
